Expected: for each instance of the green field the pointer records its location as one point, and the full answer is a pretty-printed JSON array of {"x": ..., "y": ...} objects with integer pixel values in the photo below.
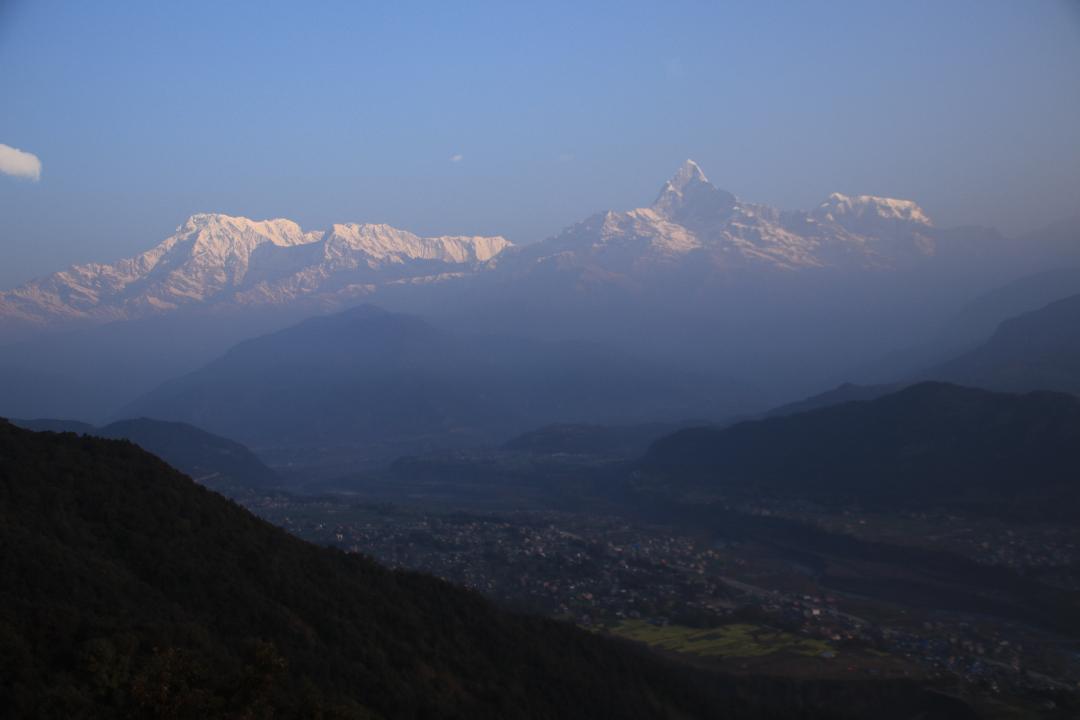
[{"x": 738, "y": 640}]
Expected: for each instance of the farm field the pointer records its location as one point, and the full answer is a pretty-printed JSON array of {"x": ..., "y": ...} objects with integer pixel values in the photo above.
[{"x": 735, "y": 641}]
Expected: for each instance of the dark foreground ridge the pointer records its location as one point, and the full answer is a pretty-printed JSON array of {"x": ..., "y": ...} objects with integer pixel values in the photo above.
[
  {"x": 211, "y": 460},
  {"x": 127, "y": 590}
]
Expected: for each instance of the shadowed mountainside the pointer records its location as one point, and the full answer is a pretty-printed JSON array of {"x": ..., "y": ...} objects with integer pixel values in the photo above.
[
  {"x": 365, "y": 386},
  {"x": 219, "y": 463},
  {"x": 129, "y": 591},
  {"x": 928, "y": 444},
  {"x": 1039, "y": 350}
]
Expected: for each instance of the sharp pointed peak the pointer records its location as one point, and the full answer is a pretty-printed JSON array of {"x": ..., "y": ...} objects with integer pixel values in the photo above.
[
  {"x": 688, "y": 177},
  {"x": 688, "y": 173},
  {"x": 689, "y": 188}
]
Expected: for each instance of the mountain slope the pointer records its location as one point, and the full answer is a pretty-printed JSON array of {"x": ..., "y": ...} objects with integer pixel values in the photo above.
[
  {"x": 847, "y": 392},
  {"x": 1039, "y": 350},
  {"x": 1026, "y": 344},
  {"x": 980, "y": 317},
  {"x": 929, "y": 444},
  {"x": 972, "y": 324},
  {"x": 213, "y": 461},
  {"x": 365, "y": 386},
  {"x": 128, "y": 591}
]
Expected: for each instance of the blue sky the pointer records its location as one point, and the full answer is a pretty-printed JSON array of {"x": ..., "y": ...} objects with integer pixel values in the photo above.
[{"x": 519, "y": 118}]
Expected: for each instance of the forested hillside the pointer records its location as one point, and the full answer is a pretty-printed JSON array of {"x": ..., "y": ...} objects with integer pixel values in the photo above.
[{"x": 127, "y": 590}]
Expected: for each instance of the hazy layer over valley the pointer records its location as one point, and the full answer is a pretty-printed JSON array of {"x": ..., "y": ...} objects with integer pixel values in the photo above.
[{"x": 697, "y": 285}]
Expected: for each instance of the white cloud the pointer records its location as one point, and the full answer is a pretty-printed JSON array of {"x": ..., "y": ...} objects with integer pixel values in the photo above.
[
  {"x": 19, "y": 164},
  {"x": 457, "y": 157}
]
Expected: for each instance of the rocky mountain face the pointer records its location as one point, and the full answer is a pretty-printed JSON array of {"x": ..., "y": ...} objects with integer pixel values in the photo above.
[
  {"x": 218, "y": 260},
  {"x": 693, "y": 222}
]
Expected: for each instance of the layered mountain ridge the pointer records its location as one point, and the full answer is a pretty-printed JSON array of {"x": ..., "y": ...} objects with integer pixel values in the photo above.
[
  {"x": 363, "y": 386},
  {"x": 1037, "y": 350},
  {"x": 928, "y": 445}
]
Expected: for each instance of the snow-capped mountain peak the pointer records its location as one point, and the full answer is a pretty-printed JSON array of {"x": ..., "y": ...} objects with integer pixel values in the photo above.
[
  {"x": 215, "y": 259},
  {"x": 228, "y": 229},
  {"x": 383, "y": 242},
  {"x": 839, "y": 206},
  {"x": 695, "y": 224},
  {"x": 687, "y": 174},
  {"x": 689, "y": 198},
  {"x": 692, "y": 231}
]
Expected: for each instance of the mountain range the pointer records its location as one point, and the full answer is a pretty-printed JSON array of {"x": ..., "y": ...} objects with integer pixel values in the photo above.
[
  {"x": 692, "y": 221},
  {"x": 699, "y": 281},
  {"x": 215, "y": 260}
]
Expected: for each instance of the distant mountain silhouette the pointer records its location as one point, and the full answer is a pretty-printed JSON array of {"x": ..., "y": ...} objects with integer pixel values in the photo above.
[
  {"x": 1021, "y": 337},
  {"x": 980, "y": 318},
  {"x": 214, "y": 461},
  {"x": 58, "y": 426},
  {"x": 366, "y": 386},
  {"x": 1039, "y": 350},
  {"x": 848, "y": 392},
  {"x": 929, "y": 444},
  {"x": 972, "y": 324}
]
